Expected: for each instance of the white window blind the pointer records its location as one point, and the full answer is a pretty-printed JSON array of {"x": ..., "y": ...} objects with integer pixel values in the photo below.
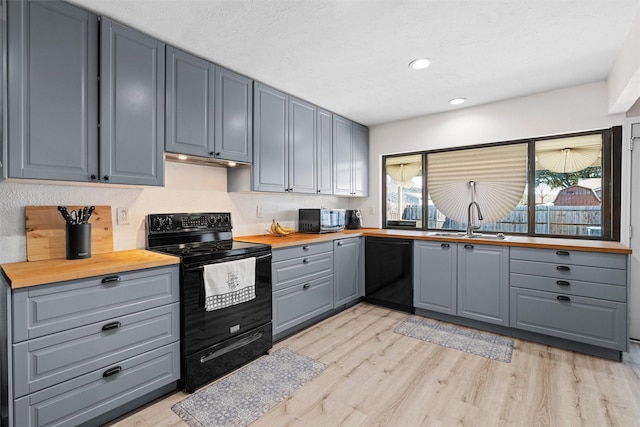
[{"x": 494, "y": 177}]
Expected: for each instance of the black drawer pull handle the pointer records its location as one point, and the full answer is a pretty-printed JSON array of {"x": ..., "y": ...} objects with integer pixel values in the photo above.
[
  {"x": 563, "y": 268},
  {"x": 468, "y": 246},
  {"x": 306, "y": 261},
  {"x": 563, "y": 253},
  {"x": 563, "y": 283},
  {"x": 444, "y": 245},
  {"x": 112, "y": 325},
  {"x": 563, "y": 298},
  {"x": 111, "y": 371},
  {"x": 305, "y": 248},
  {"x": 111, "y": 279},
  {"x": 306, "y": 286}
]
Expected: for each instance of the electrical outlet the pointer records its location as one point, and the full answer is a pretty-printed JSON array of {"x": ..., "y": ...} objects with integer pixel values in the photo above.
[
  {"x": 258, "y": 211},
  {"x": 122, "y": 215}
]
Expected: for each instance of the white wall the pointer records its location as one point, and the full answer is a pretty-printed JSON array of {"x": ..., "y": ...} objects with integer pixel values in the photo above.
[
  {"x": 188, "y": 188},
  {"x": 568, "y": 110}
]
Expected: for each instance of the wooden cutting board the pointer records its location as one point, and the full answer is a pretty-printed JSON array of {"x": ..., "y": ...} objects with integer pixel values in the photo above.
[{"x": 46, "y": 234}]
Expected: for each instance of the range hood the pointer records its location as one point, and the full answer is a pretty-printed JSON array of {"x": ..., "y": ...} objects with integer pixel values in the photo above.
[{"x": 205, "y": 161}]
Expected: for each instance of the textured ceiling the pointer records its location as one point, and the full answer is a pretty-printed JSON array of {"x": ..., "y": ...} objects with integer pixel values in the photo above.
[{"x": 351, "y": 56}]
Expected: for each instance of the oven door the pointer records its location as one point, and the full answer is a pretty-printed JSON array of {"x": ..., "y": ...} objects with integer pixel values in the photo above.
[{"x": 201, "y": 329}]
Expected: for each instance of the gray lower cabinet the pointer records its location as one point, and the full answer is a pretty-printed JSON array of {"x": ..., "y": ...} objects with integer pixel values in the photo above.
[
  {"x": 575, "y": 295},
  {"x": 303, "y": 284},
  {"x": 131, "y": 121},
  {"x": 351, "y": 158},
  {"x": 483, "y": 283},
  {"x": 435, "y": 276},
  {"x": 83, "y": 348},
  {"x": 348, "y": 270},
  {"x": 65, "y": 122},
  {"x": 53, "y": 76},
  {"x": 466, "y": 280}
]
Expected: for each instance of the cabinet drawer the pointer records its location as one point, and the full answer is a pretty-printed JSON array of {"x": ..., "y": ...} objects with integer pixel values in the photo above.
[
  {"x": 587, "y": 320},
  {"x": 47, "y": 309},
  {"x": 297, "y": 270},
  {"x": 570, "y": 287},
  {"x": 46, "y": 361},
  {"x": 301, "y": 251},
  {"x": 570, "y": 272},
  {"x": 298, "y": 303},
  {"x": 560, "y": 256},
  {"x": 83, "y": 398}
]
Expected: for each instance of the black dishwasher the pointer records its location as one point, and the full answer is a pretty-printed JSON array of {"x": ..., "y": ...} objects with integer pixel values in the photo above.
[{"x": 389, "y": 273}]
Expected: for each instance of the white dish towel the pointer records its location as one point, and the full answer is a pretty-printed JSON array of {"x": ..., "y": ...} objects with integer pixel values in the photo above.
[{"x": 229, "y": 283}]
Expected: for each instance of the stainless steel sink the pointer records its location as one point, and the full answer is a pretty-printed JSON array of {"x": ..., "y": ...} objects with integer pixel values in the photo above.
[
  {"x": 445, "y": 234},
  {"x": 498, "y": 236}
]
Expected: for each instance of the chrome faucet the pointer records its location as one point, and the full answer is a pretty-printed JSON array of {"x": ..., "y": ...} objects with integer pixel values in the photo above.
[{"x": 471, "y": 228}]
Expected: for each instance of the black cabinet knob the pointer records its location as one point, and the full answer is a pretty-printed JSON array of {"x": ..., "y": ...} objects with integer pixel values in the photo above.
[
  {"x": 468, "y": 246},
  {"x": 444, "y": 245},
  {"x": 94, "y": 177},
  {"x": 306, "y": 286},
  {"x": 105, "y": 178}
]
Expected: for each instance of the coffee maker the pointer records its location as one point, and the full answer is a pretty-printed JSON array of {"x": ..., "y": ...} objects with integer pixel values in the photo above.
[{"x": 353, "y": 219}]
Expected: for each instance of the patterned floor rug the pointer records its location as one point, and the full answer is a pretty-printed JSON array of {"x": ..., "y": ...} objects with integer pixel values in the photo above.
[
  {"x": 251, "y": 391},
  {"x": 469, "y": 340}
]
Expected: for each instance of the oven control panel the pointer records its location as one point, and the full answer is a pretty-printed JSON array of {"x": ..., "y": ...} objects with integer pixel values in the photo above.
[{"x": 158, "y": 223}]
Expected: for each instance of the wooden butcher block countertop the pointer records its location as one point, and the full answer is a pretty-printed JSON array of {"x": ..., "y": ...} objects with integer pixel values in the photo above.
[
  {"x": 32, "y": 273},
  {"x": 295, "y": 239}
]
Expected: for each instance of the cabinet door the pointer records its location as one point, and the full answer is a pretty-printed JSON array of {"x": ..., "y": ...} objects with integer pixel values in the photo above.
[
  {"x": 270, "y": 138},
  {"x": 483, "y": 283},
  {"x": 132, "y": 106},
  {"x": 342, "y": 144},
  {"x": 324, "y": 152},
  {"x": 3, "y": 145},
  {"x": 189, "y": 99},
  {"x": 435, "y": 276},
  {"x": 360, "y": 160},
  {"x": 302, "y": 146},
  {"x": 233, "y": 116},
  {"x": 53, "y": 76},
  {"x": 347, "y": 270}
]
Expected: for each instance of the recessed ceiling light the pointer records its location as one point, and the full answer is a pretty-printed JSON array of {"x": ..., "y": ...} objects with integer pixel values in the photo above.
[
  {"x": 182, "y": 157},
  {"x": 457, "y": 101},
  {"x": 420, "y": 63}
]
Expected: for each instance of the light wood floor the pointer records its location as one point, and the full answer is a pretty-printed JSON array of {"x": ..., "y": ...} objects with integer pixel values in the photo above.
[{"x": 375, "y": 377}]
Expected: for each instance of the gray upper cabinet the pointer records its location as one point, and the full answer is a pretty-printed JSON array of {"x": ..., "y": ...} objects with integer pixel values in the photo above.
[
  {"x": 233, "y": 116},
  {"x": 3, "y": 91},
  {"x": 483, "y": 283},
  {"x": 270, "y": 136},
  {"x": 360, "y": 160},
  {"x": 302, "y": 146},
  {"x": 351, "y": 158},
  {"x": 190, "y": 103},
  {"x": 284, "y": 142},
  {"x": 435, "y": 276},
  {"x": 324, "y": 152},
  {"x": 209, "y": 109},
  {"x": 53, "y": 76},
  {"x": 132, "y": 120}
]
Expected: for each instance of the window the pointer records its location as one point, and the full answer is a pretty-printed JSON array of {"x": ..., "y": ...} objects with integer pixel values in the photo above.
[{"x": 562, "y": 186}]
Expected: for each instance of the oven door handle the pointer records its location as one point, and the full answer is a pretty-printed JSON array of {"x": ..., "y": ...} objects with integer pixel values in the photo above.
[
  {"x": 191, "y": 267},
  {"x": 240, "y": 343}
]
